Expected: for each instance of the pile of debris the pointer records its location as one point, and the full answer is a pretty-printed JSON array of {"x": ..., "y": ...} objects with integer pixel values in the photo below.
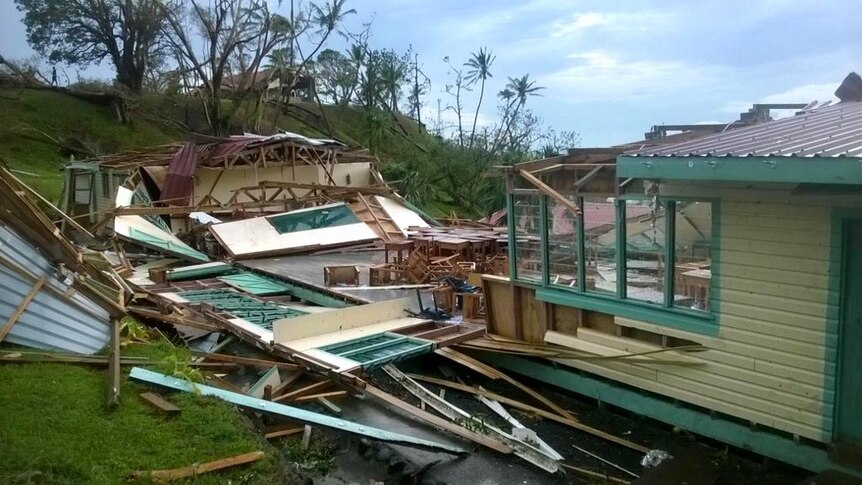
[{"x": 313, "y": 298}]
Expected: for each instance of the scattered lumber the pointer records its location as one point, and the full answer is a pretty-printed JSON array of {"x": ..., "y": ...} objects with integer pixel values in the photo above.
[
  {"x": 521, "y": 448},
  {"x": 592, "y": 474},
  {"x": 280, "y": 433},
  {"x": 530, "y": 409},
  {"x": 605, "y": 461},
  {"x": 162, "y": 476},
  {"x": 260, "y": 405},
  {"x": 434, "y": 420},
  {"x": 322, "y": 395},
  {"x": 493, "y": 373},
  {"x": 293, "y": 395},
  {"x": 260, "y": 363},
  {"x": 159, "y": 403}
]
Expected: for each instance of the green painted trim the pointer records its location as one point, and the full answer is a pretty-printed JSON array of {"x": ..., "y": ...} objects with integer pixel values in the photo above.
[
  {"x": 832, "y": 367},
  {"x": 669, "y": 251},
  {"x": 156, "y": 243},
  {"x": 651, "y": 405},
  {"x": 812, "y": 170},
  {"x": 510, "y": 220},
  {"x": 622, "y": 272},
  {"x": 582, "y": 259},
  {"x": 698, "y": 322},
  {"x": 715, "y": 268},
  {"x": 543, "y": 234}
]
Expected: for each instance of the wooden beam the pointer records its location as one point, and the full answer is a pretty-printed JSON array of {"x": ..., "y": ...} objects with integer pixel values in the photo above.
[
  {"x": 113, "y": 388},
  {"x": 290, "y": 396},
  {"x": 547, "y": 190},
  {"x": 260, "y": 363},
  {"x": 466, "y": 360},
  {"x": 322, "y": 395},
  {"x": 158, "y": 402},
  {"x": 21, "y": 307},
  {"x": 198, "y": 468},
  {"x": 532, "y": 409},
  {"x": 282, "y": 432},
  {"x": 581, "y": 182}
]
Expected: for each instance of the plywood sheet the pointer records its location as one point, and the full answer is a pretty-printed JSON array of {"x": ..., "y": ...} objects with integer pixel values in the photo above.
[{"x": 338, "y": 320}]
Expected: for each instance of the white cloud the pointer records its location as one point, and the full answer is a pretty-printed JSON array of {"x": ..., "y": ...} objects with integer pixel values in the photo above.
[
  {"x": 599, "y": 76},
  {"x": 580, "y": 22}
]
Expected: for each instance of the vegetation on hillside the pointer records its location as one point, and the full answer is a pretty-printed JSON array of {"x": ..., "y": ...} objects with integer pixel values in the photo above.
[{"x": 199, "y": 69}]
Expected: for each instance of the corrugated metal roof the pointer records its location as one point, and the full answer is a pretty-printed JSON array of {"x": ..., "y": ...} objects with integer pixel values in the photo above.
[
  {"x": 829, "y": 131},
  {"x": 73, "y": 324}
]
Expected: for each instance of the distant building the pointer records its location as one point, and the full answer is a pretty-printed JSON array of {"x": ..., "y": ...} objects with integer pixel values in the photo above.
[{"x": 274, "y": 82}]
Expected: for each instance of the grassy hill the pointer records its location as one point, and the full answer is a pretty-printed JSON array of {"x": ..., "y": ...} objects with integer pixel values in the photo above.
[{"x": 42, "y": 129}]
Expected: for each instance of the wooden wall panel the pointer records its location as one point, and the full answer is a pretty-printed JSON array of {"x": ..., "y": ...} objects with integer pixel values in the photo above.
[{"x": 771, "y": 362}]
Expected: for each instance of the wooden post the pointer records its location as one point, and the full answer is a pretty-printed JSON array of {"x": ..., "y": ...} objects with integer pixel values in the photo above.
[{"x": 113, "y": 394}]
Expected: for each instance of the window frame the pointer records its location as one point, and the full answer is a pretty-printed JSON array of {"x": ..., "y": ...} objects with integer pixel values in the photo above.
[{"x": 666, "y": 313}]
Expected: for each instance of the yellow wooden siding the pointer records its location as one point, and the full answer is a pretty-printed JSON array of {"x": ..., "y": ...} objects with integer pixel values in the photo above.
[{"x": 768, "y": 363}]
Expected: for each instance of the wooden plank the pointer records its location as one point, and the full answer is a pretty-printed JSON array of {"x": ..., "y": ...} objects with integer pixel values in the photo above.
[
  {"x": 532, "y": 409},
  {"x": 21, "y": 307},
  {"x": 329, "y": 405},
  {"x": 283, "y": 432},
  {"x": 290, "y": 396},
  {"x": 314, "y": 397},
  {"x": 199, "y": 468},
  {"x": 342, "y": 319},
  {"x": 286, "y": 382},
  {"x": 434, "y": 420},
  {"x": 475, "y": 365},
  {"x": 113, "y": 386},
  {"x": 159, "y": 403},
  {"x": 547, "y": 190},
  {"x": 260, "y": 363},
  {"x": 306, "y": 437}
]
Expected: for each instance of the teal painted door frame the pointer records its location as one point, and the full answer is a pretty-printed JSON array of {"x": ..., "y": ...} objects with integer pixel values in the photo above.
[{"x": 848, "y": 412}]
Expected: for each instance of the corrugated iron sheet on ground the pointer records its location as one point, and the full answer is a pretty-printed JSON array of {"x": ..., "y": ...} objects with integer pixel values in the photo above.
[{"x": 50, "y": 321}]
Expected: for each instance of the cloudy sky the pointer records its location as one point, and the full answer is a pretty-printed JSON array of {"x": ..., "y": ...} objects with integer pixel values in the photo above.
[{"x": 612, "y": 69}]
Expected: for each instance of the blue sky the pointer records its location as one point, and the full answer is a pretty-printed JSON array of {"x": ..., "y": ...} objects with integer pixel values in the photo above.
[{"x": 612, "y": 69}]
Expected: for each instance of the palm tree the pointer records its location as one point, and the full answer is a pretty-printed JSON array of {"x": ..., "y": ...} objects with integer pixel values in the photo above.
[
  {"x": 480, "y": 70},
  {"x": 515, "y": 95}
]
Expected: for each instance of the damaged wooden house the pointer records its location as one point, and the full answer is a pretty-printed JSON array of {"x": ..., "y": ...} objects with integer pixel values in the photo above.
[{"x": 720, "y": 293}]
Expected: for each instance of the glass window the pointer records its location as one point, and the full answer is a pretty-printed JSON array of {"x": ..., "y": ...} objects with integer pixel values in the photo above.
[
  {"x": 600, "y": 244},
  {"x": 562, "y": 245},
  {"x": 645, "y": 249},
  {"x": 528, "y": 243},
  {"x": 317, "y": 218},
  {"x": 692, "y": 267}
]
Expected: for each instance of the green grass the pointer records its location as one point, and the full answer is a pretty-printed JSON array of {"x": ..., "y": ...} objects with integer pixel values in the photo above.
[
  {"x": 54, "y": 429},
  {"x": 74, "y": 121}
]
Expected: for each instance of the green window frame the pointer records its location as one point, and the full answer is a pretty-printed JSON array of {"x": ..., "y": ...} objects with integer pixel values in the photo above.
[{"x": 698, "y": 321}]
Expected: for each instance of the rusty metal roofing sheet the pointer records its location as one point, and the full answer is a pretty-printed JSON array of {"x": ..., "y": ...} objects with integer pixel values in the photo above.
[
  {"x": 180, "y": 179},
  {"x": 830, "y": 131}
]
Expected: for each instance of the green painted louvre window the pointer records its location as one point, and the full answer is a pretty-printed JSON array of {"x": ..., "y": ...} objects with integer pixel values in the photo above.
[
  {"x": 255, "y": 284},
  {"x": 319, "y": 218},
  {"x": 158, "y": 243},
  {"x": 379, "y": 349},
  {"x": 257, "y": 312}
]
